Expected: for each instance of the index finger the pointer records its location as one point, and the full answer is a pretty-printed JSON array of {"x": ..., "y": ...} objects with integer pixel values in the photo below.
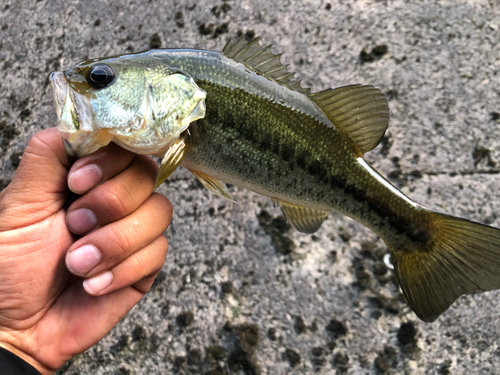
[{"x": 98, "y": 167}]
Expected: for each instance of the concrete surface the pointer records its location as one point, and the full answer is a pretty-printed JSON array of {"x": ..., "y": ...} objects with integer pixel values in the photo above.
[{"x": 240, "y": 291}]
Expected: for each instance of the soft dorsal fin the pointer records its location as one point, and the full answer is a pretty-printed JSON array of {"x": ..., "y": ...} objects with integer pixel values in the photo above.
[
  {"x": 263, "y": 61},
  {"x": 304, "y": 219},
  {"x": 361, "y": 111}
]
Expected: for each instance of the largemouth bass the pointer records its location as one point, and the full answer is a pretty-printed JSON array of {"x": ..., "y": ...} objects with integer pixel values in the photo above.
[{"x": 239, "y": 117}]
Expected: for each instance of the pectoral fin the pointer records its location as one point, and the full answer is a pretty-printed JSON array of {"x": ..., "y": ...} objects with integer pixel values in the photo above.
[
  {"x": 215, "y": 186},
  {"x": 305, "y": 220},
  {"x": 172, "y": 159}
]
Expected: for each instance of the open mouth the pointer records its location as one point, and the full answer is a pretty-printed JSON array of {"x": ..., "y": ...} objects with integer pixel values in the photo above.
[
  {"x": 75, "y": 117},
  {"x": 73, "y": 109},
  {"x": 60, "y": 90}
]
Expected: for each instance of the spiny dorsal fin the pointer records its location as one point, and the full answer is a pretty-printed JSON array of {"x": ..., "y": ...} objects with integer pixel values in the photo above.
[
  {"x": 361, "y": 111},
  {"x": 305, "y": 220},
  {"x": 263, "y": 61}
]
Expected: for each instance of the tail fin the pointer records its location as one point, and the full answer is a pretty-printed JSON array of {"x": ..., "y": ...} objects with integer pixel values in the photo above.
[{"x": 460, "y": 257}]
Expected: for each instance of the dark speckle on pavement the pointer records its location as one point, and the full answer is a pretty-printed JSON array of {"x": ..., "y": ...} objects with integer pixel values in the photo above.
[
  {"x": 407, "y": 334},
  {"x": 241, "y": 291}
]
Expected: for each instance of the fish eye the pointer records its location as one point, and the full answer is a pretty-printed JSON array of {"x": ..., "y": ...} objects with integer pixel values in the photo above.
[{"x": 100, "y": 76}]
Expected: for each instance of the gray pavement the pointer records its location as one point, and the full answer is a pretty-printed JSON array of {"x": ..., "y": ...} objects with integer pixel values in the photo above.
[{"x": 240, "y": 291}]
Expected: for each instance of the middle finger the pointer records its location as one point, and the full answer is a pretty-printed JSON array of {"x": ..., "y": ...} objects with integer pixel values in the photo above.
[{"x": 115, "y": 198}]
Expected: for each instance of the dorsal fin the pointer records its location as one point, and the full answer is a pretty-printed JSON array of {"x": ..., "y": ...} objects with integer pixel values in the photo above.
[
  {"x": 263, "y": 61},
  {"x": 361, "y": 111}
]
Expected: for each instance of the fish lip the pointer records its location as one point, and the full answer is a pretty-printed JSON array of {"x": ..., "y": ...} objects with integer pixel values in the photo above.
[
  {"x": 67, "y": 99},
  {"x": 75, "y": 120},
  {"x": 60, "y": 88}
]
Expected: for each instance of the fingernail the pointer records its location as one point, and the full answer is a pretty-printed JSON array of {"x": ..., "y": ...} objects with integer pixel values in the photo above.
[
  {"x": 83, "y": 259},
  {"x": 81, "y": 221},
  {"x": 84, "y": 179},
  {"x": 98, "y": 283}
]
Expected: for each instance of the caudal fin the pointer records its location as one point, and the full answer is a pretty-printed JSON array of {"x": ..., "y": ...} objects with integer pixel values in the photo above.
[{"x": 460, "y": 257}]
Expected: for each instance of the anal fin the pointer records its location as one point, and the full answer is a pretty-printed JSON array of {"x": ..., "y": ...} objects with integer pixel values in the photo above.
[
  {"x": 304, "y": 219},
  {"x": 171, "y": 161},
  {"x": 215, "y": 186}
]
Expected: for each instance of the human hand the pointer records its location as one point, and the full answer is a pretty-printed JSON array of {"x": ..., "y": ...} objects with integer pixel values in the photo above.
[{"x": 47, "y": 315}]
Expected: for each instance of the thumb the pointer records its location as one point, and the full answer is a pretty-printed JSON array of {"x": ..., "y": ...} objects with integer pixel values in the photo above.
[{"x": 39, "y": 186}]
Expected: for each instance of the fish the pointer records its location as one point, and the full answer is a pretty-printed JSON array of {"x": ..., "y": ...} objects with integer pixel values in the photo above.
[{"x": 240, "y": 117}]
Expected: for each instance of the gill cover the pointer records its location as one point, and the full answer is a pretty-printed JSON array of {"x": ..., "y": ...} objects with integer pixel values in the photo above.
[{"x": 149, "y": 116}]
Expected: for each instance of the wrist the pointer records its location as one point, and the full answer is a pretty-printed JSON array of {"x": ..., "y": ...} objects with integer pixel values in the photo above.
[{"x": 27, "y": 358}]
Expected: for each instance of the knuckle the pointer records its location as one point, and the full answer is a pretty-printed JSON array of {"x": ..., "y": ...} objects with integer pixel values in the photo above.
[
  {"x": 162, "y": 204},
  {"x": 162, "y": 244},
  {"x": 155, "y": 272},
  {"x": 158, "y": 261},
  {"x": 40, "y": 147},
  {"x": 159, "y": 252},
  {"x": 114, "y": 201},
  {"x": 40, "y": 139},
  {"x": 124, "y": 239},
  {"x": 150, "y": 260},
  {"x": 147, "y": 166},
  {"x": 137, "y": 266}
]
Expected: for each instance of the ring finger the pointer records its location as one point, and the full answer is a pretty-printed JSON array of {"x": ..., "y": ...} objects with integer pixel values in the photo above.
[{"x": 110, "y": 245}]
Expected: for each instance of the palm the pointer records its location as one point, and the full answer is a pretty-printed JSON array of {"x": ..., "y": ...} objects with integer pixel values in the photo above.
[
  {"x": 44, "y": 310},
  {"x": 53, "y": 308},
  {"x": 40, "y": 278}
]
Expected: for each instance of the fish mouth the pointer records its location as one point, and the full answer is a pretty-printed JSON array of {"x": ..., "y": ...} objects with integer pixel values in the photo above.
[
  {"x": 73, "y": 109},
  {"x": 74, "y": 115},
  {"x": 60, "y": 89}
]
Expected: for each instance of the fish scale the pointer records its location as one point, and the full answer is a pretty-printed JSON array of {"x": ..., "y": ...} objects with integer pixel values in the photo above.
[
  {"x": 282, "y": 140},
  {"x": 240, "y": 117},
  {"x": 305, "y": 164}
]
